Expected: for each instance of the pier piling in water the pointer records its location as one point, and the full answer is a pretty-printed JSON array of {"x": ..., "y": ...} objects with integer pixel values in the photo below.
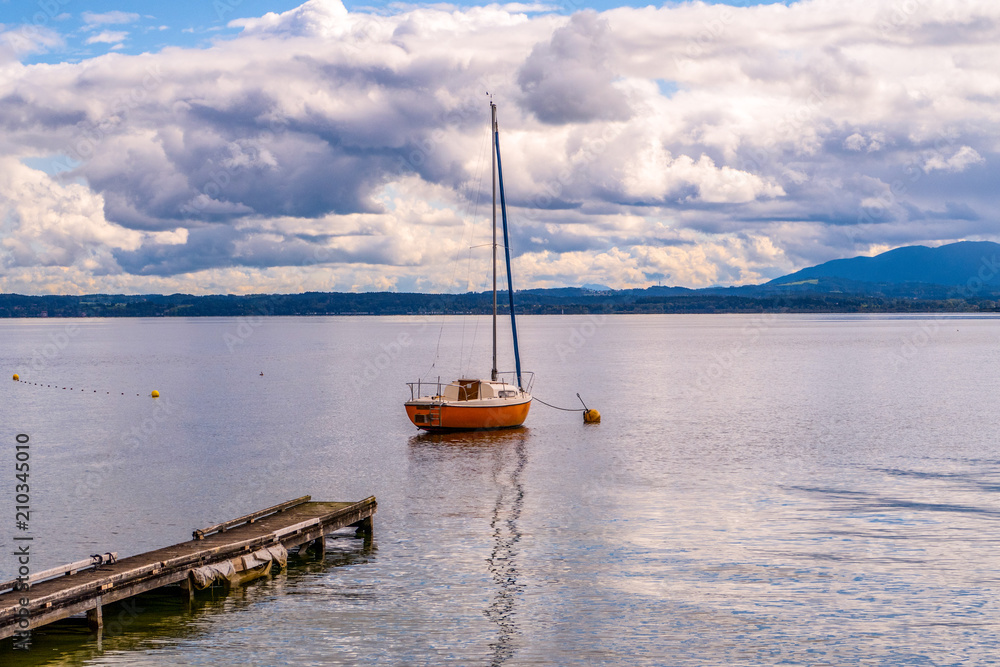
[{"x": 239, "y": 549}]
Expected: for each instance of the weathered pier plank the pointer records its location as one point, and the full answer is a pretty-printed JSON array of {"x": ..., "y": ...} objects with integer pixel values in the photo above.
[{"x": 292, "y": 524}]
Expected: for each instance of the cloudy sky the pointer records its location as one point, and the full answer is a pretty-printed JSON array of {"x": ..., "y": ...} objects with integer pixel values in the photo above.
[{"x": 244, "y": 146}]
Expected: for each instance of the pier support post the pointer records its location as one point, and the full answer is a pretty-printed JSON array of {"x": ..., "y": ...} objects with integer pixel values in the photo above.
[
  {"x": 95, "y": 617},
  {"x": 187, "y": 591},
  {"x": 364, "y": 527},
  {"x": 315, "y": 549},
  {"x": 365, "y": 530},
  {"x": 318, "y": 547}
]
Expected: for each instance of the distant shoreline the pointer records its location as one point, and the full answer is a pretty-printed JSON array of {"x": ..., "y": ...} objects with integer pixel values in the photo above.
[{"x": 569, "y": 301}]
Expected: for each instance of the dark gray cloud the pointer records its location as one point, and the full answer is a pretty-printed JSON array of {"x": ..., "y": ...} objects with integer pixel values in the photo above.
[
  {"x": 20, "y": 115},
  {"x": 570, "y": 79},
  {"x": 207, "y": 247}
]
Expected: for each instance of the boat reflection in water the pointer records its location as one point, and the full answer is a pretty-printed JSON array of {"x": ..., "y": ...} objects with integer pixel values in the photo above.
[{"x": 505, "y": 454}]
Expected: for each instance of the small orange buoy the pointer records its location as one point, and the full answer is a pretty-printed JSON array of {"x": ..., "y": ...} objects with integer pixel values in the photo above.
[
  {"x": 155, "y": 394},
  {"x": 17, "y": 378}
]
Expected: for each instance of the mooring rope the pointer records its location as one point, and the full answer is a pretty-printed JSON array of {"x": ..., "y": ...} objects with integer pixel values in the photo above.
[{"x": 535, "y": 398}]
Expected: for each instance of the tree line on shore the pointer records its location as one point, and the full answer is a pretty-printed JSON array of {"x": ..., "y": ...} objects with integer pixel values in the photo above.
[{"x": 542, "y": 302}]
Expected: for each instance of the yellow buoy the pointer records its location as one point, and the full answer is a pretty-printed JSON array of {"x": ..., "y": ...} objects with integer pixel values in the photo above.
[
  {"x": 17, "y": 378},
  {"x": 155, "y": 394},
  {"x": 590, "y": 416}
]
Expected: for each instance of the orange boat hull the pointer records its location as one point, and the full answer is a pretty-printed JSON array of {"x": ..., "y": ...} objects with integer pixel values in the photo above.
[{"x": 451, "y": 417}]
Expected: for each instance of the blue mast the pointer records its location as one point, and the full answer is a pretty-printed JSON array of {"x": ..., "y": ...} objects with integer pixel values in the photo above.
[{"x": 506, "y": 244}]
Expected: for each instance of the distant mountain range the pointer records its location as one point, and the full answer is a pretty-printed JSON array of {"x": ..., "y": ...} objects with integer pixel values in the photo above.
[
  {"x": 967, "y": 265},
  {"x": 960, "y": 277}
]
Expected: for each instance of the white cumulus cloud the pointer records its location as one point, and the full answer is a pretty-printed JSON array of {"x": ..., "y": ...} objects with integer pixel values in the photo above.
[
  {"x": 962, "y": 158},
  {"x": 107, "y": 37},
  {"x": 112, "y": 17}
]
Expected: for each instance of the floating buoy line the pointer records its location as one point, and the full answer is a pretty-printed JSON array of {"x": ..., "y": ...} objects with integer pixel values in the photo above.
[
  {"x": 590, "y": 416},
  {"x": 17, "y": 378}
]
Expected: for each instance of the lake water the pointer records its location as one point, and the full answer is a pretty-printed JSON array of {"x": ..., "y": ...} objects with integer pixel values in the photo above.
[{"x": 761, "y": 490}]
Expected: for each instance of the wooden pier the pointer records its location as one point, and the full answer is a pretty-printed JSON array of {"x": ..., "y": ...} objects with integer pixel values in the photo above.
[{"x": 241, "y": 549}]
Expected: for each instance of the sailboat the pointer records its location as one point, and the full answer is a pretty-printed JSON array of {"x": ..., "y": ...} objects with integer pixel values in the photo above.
[{"x": 503, "y": 400}]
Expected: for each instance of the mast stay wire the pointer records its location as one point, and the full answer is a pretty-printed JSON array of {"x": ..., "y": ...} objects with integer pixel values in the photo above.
[
  {"x": 487, "y": 141},
  {"x": 454, "y": 273}
]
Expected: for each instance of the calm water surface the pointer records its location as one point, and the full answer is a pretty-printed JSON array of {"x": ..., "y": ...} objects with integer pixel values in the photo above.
[{"x": 762, "y": 490}]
